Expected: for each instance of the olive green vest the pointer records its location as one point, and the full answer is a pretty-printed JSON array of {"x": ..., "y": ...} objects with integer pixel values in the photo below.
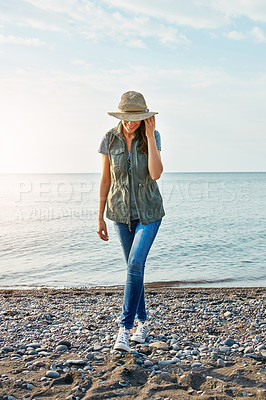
[{"x": 148, "y": 199}]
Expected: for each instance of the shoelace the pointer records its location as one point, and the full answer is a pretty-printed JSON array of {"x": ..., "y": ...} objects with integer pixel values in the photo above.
[
  {"x": 141, "y": 330},
  {"x": 123, "y": 336}
]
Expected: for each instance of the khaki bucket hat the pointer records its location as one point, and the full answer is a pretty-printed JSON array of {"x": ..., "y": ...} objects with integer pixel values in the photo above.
[{"x": 132, "y": 107}]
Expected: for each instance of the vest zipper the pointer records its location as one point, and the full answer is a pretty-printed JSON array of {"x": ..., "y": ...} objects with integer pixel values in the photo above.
[
  {"x": 129, "y": 223},
  {"x": 129, "y": 220},
  {"x": 133, "y": 184}
]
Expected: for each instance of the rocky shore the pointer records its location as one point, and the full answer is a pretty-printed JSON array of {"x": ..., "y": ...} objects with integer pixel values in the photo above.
[{"x": 203, "y": 343}]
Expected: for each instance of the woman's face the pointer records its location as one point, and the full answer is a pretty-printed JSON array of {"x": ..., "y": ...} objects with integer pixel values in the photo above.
[{"x": 130, "y": 126}]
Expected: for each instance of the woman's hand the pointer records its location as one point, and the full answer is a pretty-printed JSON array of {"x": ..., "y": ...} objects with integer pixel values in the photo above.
[
  {"x": 102, "y": 229},
  {"x": 155, "y": 165},
  {"x": 150, "y": 126}
]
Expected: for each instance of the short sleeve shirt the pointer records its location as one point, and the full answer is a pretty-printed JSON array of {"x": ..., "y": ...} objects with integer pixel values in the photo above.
[{"x": 103, "y": 148}]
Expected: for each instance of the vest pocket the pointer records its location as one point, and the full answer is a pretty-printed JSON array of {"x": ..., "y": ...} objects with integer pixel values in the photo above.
[
  {"x": 117, "y": 157},
  {"x": 116, "y": 151}
]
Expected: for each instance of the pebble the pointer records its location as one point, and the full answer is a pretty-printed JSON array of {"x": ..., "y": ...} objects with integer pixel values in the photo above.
[
  {"x": 76, "y": 362},
  {"x": 159, "y": 345},
  {"x": 66, "y": 343},
  {"x": 162, "y": 363},
  {"x": 248, "y": 350},
  {"x": 229, "y": 342},
  {"x": 186, "y": 329},
  {"x": 98, "y": 358},
  {"x": 195, "y": 352},
  {"x": 52, "y": 374},
  {"x": 34, "y": 345},
  {"x": 220, "y": 363},
  {"x": 32, "y": 353},
  {"x": 148, "y": 363},
  {"x": 7, "y": 349},
  {"x": 214, "y": 355},
  {"x": 97, "y": 348},
  {"x": 196, "y": 365},
  {"x": 175, "y": 347},
  {"x": 62, "y": 347},
  {"x": 224, "y": 349},
  {"x": 227, "y": 314},
  {"x": 43, "y": 353}
]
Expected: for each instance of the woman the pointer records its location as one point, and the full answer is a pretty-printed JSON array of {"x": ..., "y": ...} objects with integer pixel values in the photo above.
[{"x": 131, "y": 164}]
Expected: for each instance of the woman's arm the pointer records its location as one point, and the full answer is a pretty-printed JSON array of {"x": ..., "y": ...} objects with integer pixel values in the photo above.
[
  {"x": 104, "y": 190},
  {"x": 155, "y": 165}
]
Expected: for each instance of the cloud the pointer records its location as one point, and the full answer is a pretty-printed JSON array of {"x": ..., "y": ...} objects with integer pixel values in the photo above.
[
  {"x": 57, "y": 6},
  {"x": 203, "y": 14},
  {"x": 134, "y": 24},
  {"x": 170, "y": 35},
  {"x": 235, "y": 35},
  {"x": 81, "y": 62},
  {"x": 138, "y": 43},
  {"x": 258, "y": 35},
  {"x": 95, "y": 22},
  {"x": 22, "y": 41},
  {"x": 25, "y": 14},
  {"x": 189, "y": 13},
  {"x": 38, "y": 24},
  {"x": 255, "y": 10}
]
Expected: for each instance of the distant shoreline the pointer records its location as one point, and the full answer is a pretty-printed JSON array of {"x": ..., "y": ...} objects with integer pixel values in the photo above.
[
  {"x": 116, "y": 288},
  {"x": 171, "y": 284}
]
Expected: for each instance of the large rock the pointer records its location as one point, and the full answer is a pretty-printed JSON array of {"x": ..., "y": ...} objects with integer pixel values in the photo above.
[
  {"x": 159, "y": 345},
  {"x": 62, "y": 347},
  {"x": 52, "y": 374},
  {"x": 34, "y": 345},
  {"x": 64, "y": 343}
]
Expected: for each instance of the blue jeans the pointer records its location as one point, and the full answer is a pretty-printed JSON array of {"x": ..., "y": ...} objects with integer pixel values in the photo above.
[{"x": 136, "y": 245}]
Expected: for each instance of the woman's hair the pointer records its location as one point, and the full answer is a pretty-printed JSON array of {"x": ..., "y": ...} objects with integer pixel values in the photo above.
[{"x": 143, "y": 148}]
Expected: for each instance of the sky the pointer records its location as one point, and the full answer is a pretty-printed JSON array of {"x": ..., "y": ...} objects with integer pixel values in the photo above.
[{"x": 201, "y": 64}]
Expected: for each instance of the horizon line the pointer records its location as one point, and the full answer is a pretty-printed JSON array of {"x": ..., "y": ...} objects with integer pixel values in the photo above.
[{"x": 164, "y": 172}]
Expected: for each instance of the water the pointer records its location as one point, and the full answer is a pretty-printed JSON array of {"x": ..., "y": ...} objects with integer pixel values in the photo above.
[{"x": 213, "y": 233}]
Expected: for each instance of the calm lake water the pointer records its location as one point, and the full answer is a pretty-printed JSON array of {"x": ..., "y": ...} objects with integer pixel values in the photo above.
[{"x": 213, "y": 233}]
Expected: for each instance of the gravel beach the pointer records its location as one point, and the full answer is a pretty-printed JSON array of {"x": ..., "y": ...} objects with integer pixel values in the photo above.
[{"x": 207, "y": 343}]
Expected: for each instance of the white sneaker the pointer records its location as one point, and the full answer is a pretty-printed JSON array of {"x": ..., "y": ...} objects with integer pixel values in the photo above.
[
  {"x": 122, "y": 341},
  {"x": 142, "y": 332}
]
